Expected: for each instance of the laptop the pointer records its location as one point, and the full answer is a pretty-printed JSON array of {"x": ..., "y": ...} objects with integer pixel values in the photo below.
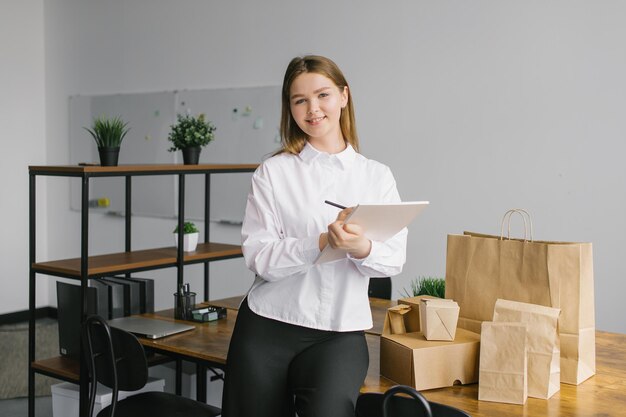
[{"x": 149, "y": 328}]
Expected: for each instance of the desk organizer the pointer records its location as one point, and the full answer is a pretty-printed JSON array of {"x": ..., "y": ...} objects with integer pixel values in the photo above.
[{"x": 207, "y": 314}]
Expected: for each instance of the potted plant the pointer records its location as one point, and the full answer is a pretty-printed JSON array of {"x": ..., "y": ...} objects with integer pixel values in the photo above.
[
  {"x": 190, "y": 236},
  {"x": 108, "y": 134},
  {"x": 190, "y": 134},
  {"x": 427, "y": 286}
]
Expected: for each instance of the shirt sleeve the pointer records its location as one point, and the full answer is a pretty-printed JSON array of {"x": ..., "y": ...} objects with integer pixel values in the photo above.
[
  {"x": 267, "y": 251},
  {"x": 386, "y": 259}
]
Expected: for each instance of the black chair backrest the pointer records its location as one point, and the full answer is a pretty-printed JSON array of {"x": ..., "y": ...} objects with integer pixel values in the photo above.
[
  {"x": 380, "y": 288},
  {"x": 115, "y": 358},
  {"x": 419, "y": 399},
  {"x": 373, "y": 404}
]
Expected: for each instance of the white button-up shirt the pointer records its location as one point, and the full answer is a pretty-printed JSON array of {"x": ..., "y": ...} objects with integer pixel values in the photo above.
[{"x": 285, "y": 215}]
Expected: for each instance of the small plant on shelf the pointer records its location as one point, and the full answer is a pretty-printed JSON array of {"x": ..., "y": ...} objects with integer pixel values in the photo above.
[
  {"x": 433, "y": 286},
  {"x": 108, "y": 134},
  {"x": 190, "y": 134},
  {"x": 190, "y": 236},
  {"x": 188, "y": 227}
]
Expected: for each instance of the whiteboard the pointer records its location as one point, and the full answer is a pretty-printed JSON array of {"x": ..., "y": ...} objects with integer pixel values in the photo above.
[{"x": 247, "y": 121}]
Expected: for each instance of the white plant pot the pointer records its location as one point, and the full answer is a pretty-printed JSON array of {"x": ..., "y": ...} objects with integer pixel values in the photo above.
[{"x": 190, "y": 241}]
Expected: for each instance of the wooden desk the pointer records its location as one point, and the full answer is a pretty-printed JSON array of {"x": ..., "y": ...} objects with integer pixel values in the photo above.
[
  {"x": 602, "y": 395},
  {"x": 378, "y": 305}
]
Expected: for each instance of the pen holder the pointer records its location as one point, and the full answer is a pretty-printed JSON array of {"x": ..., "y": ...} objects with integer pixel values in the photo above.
[{"x": 184, "y": 303}]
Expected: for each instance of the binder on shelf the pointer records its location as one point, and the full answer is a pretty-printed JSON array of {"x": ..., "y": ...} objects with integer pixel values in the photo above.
[
  {"x": 115, "y": 296},
  {"x": 131, "y": 294},
  {"x": 146, "y": 293},
  {"x": 102, "y": 295},
  {"x": 69, "y": 315}
]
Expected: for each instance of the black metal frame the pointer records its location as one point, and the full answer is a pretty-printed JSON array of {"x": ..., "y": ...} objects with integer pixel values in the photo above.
[{"x": 85, "y": 177}]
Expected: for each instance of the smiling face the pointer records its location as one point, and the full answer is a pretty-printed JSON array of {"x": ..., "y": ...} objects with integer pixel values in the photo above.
[{"x": 316, "y": 103}]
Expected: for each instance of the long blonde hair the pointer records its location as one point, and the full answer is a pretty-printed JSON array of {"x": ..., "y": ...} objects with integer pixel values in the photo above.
[{"x": 293, "y": 138}]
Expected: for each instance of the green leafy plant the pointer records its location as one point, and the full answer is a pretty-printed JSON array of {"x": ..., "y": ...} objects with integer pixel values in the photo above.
[
  {"x": 190, "y": 131},
  {"x": 108, "y": 132},
  {"x": 188, "y": 227},
  {"x": 427, "y": 286}
]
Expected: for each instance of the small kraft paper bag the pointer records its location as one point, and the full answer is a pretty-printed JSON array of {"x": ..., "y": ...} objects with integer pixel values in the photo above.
[
  {"x": 394, "y": 320},
  {"x": 543, "y": 343},
  {"x": 482, "y": 268},
  {"x": 502, "y": 375},
  {"x": 438, "y": 318}
]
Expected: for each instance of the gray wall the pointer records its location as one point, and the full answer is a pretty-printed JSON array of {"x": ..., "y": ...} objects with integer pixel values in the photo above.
[
  {"x": 23, "y": 138},
  {"x": 477, "y": 106}
]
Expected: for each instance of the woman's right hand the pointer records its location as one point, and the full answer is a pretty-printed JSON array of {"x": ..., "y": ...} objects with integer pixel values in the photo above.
[
  {"x": 340, "y": 218},
  {"x": 348, "y": 237}
]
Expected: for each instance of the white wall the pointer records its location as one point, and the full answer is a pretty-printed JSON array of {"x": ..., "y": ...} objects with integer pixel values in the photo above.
[
  {"x": 477, "y": 106},
  {"x": 22, "y": 117}
]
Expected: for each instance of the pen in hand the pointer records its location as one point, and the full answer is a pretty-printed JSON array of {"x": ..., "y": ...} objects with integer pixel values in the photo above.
[{"x": 334, "y": 204}]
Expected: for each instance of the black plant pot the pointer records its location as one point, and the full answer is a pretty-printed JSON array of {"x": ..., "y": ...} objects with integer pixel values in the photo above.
[
  {"x": 109, "y": 156},
  {"x": 191, "y": 155}
]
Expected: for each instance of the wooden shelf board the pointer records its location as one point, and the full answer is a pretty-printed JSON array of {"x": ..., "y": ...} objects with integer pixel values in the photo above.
[
  {"x": 66, "y": 368},
  {"x": 116, "y": 263},
  {"x": 154, "y": 169}
]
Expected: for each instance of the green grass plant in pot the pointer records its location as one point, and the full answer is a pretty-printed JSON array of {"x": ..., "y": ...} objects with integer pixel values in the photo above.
[
  {"x": 190, "y": 134},
  {"x": 108, "y": 134},
  {"x": 190, "y": 236},
  {"x": 427, "y": 286}
]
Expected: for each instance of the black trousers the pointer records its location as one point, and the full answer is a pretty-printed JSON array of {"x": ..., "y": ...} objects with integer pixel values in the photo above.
[{"x": 275, "y": 369}]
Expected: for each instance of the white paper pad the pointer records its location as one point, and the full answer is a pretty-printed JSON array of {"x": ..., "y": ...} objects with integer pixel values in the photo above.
[{"x": 380, "y": 222}]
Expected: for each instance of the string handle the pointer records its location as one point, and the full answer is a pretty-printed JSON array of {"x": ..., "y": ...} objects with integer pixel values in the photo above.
[{"x": 526, "y": 217}]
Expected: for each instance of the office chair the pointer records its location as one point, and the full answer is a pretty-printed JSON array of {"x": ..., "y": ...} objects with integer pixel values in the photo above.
[
  {"x": 389, "y": 405},
  {"x": 116, "y": 359},
  {"x": 380, "y": 288}
]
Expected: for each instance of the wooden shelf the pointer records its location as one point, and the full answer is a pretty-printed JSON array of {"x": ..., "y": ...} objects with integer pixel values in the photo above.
[
  {"x": 59, "y": 367},
  {"x": 117, "y": 263},
  {"x": 68, "y": 369},
  {"x": 123, "y": 262},
  {"x": 142, "y": 169}
]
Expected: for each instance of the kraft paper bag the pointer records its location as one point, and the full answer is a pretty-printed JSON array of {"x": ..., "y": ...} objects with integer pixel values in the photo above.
[
  {"x": 482, "y": 268},
  {"x": 502, "y": 374},
  {"x": 543, "y": 343},
  {"x": 438, "y": 318},
  {"x": 394, "y": 320}
]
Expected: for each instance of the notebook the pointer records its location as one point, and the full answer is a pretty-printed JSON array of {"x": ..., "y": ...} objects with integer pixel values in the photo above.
[
  {"x": 379, "y": 221},
  {"x": 149, "y": 328}
]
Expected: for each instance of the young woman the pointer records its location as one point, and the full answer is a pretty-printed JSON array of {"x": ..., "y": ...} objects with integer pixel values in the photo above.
[{"x": 298, "y": 344}]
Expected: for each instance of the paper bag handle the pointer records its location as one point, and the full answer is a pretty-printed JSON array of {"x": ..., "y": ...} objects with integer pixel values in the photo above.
[
  {"x": 404, "y": 389},
  {"x": 525, "y": 216}
]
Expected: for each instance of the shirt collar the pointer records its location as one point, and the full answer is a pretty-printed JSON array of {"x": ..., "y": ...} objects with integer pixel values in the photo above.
[{"x": 343, "y": 159}]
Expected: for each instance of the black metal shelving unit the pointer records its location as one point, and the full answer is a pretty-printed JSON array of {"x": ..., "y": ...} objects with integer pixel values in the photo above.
[{"x": 127, "y": 262}]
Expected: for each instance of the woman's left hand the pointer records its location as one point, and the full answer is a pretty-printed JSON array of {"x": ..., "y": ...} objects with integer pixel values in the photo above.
[{"x": 348, "y": 237}]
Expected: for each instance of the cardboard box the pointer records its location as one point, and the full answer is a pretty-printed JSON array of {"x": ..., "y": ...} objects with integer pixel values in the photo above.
[
  {"x": 167, "y": 371},
  {"x": 65, "y": 397},
  {"x": 412, "y": 319},
  {"x": 438, "y": 318},
  {"x": 410, "y": 359}
]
